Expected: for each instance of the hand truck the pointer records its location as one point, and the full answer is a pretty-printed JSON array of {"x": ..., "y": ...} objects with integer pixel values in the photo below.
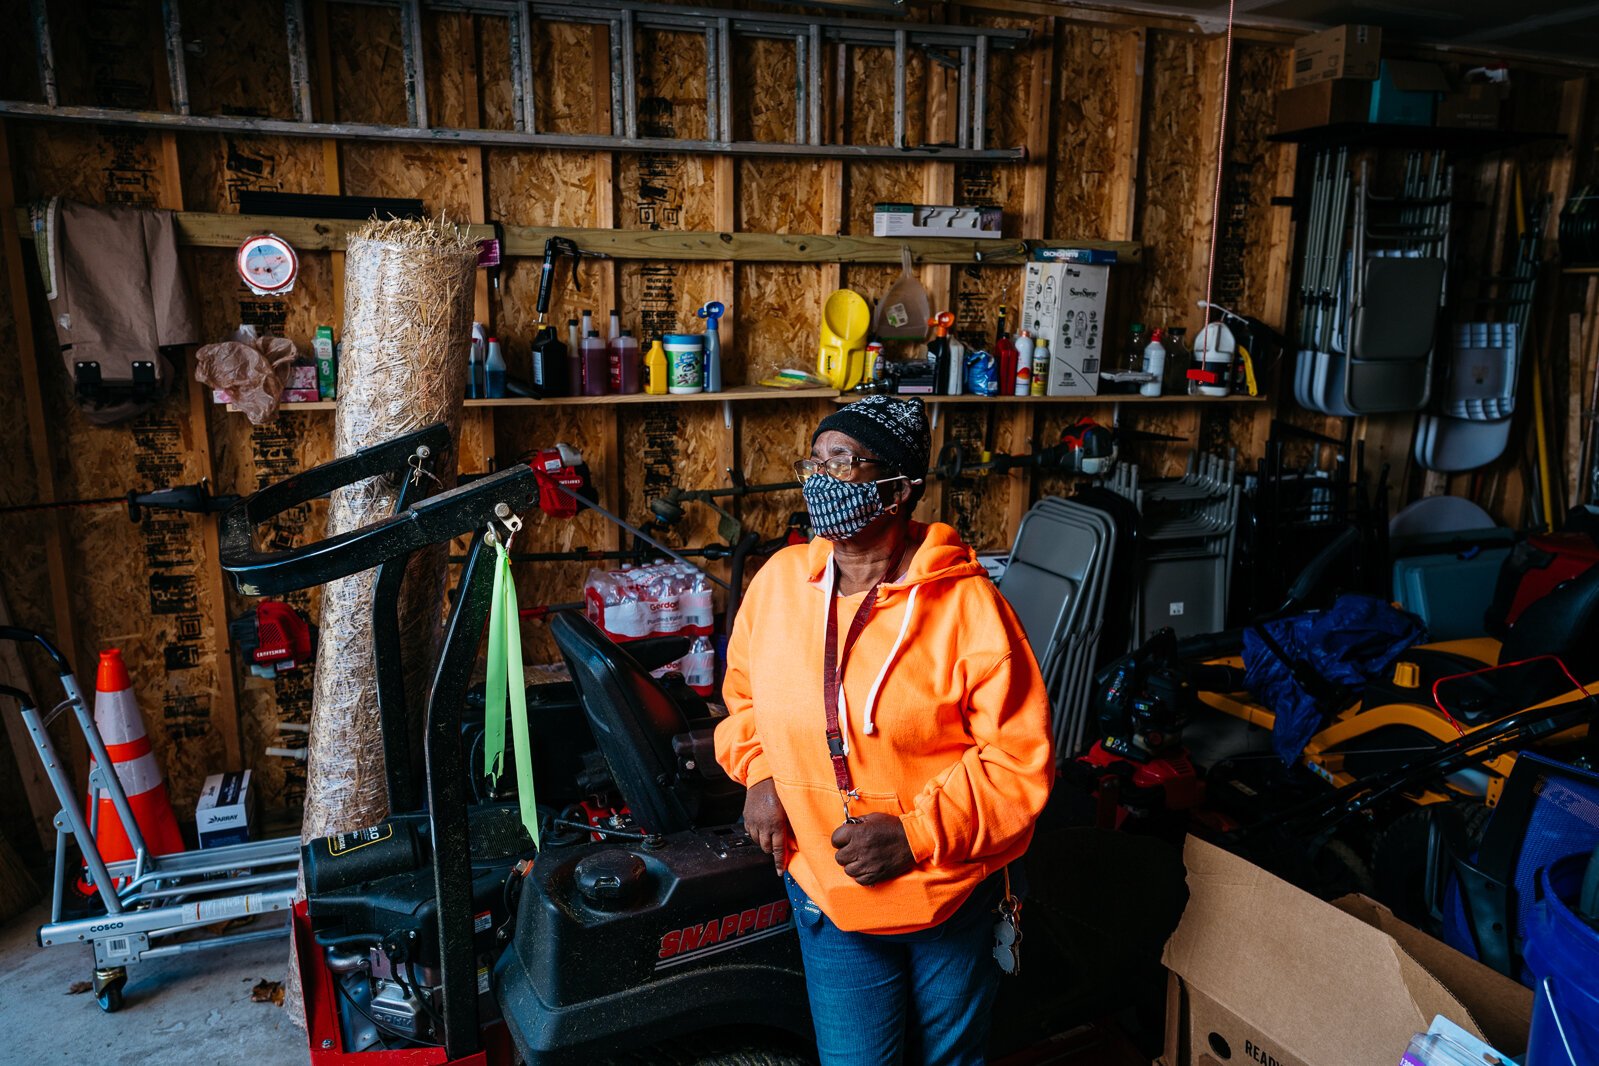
[{"x": 149, "y": 897}]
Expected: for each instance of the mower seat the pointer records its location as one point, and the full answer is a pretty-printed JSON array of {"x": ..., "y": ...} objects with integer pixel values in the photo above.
[
  {"x": 639, "y": 728},
  {"x": 1565, "y": 624}
]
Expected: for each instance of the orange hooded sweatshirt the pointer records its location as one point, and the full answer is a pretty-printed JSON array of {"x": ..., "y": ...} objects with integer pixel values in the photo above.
[{"x": 943, "y": 712}]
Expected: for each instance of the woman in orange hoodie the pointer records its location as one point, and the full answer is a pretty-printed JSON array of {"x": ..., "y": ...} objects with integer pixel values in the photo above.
[{"x": 887, "y": 716}]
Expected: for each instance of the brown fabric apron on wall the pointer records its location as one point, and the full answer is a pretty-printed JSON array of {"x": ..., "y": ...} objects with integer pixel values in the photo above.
[{"x": 117, "y": 297}]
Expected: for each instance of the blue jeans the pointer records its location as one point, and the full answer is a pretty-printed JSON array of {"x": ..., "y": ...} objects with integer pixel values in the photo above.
[{"x": 924, "y": 997}]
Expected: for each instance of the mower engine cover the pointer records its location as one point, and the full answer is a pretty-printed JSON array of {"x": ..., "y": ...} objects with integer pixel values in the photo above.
[
  {"x": 620, "y": 945},
  {"x": 1536, "y": 567},
  {"x": 373, "y": 911}
]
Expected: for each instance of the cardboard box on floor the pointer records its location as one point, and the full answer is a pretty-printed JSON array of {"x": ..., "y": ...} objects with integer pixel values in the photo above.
[{"x": 1262, "y": 972}]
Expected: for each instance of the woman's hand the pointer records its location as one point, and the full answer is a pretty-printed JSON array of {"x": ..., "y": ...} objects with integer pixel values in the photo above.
[
  {"x": 766, "y": 822},
  {"x": 873, "y": 849}
]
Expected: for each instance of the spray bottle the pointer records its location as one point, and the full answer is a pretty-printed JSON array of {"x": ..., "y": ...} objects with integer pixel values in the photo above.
[
  {"x": 494, "y": 371},
  {"x": 712, "y": 314},
  {"x": 655, "y": 369},
  {"x": 1024, "y": 362},
  {"x": 1040, "y": 377}
]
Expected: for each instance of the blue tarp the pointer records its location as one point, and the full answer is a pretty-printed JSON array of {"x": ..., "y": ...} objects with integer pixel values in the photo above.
[{"x": 1353, "y": 641}]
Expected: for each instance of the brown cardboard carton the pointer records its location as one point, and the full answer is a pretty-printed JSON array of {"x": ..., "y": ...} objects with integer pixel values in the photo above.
[
  {"x": 1262, "y": 972},
  {"x": 1476, "y": 107},
  {"x": 1348, "y": 51},
  {"x": 1322, "y": 104}
]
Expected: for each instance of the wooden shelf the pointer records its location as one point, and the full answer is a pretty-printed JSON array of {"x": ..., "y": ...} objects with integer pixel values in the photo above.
[
  {"x": 206, "y": 230},
  {"x": 1102, "y": 398},
  {"x": 735, "y": 394},
  {"x": 1401, "y": 135},
  {"x": 1580, "y": 270},
  {"x": 759, "y": 393}
]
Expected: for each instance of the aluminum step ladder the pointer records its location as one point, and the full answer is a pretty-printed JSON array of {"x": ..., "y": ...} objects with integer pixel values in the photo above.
[{"x": 965, "y": 49}]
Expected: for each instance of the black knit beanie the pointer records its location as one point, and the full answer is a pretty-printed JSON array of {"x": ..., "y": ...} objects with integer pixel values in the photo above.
[{"x": 895, "y": 430}]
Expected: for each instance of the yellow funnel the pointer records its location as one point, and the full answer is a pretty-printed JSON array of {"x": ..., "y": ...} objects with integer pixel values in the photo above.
[{"x": 842, "y": 355}]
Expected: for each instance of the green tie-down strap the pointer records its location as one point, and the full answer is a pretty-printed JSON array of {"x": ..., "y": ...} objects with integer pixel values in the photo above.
[{"x": 505, "y": 679}]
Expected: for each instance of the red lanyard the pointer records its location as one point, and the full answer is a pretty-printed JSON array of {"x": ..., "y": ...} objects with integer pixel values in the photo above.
[{"x": 833, "y": 670}]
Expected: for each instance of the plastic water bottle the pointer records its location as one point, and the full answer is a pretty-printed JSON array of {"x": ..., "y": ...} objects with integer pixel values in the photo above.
[
  {"x": 699, "y": 666},
  {"x": 494, "y": 371},
  {"x": 696, "y": 601}
]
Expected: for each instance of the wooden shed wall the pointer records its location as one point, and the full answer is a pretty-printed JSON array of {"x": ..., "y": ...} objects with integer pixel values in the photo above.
[{"x": 1120, "y": 116}]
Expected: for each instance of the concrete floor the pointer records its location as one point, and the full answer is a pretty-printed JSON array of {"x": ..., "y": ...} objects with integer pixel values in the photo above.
[{"x": 191, "y": 1009}]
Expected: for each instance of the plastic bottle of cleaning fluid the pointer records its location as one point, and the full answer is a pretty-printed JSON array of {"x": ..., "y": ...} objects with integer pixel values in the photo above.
[
  {"x": 624, "y": 353},
  {"x": 713, "y": 351},
  {"x": 574, "y": 359},
  {"x": 1154, "y": 363},
  {"x": 494, "y": 371},
  {"x": 596, "y": 365},
  {"x": 549, "y": 364},
  {"x": 655, "y": 369},
  {"x": 1024, "y": 361}
]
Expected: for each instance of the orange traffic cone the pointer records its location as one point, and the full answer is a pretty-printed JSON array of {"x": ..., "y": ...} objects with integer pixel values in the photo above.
[{"x": 116, "y": 715}]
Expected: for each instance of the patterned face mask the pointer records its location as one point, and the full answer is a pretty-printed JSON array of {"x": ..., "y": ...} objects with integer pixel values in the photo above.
[{"x": 841, "y": 509}]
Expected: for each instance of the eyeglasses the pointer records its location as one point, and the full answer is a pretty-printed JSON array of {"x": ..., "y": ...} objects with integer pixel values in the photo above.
[{"x": 839, "y": 466}]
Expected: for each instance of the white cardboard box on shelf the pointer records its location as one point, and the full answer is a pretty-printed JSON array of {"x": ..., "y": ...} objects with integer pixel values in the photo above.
[
  {"x": 935, "y": 220},
  {"x": 1064, "y": 303}
]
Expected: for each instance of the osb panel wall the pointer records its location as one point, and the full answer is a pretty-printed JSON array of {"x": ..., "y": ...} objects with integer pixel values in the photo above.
[
  {"x": 24, "y": 582},
  {"x": 1088, "y": 118},
  {"x": 644, "y": 449},
  {"x": 250, "y": 457},
  {"x": 772, "y": 437},
  {"x": 226, "y": 79}
]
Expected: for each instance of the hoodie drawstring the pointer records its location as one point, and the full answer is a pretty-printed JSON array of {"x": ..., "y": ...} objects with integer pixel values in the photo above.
[
  {"x": 869, "y": 725},
  {"x": 893, "y": 652}
]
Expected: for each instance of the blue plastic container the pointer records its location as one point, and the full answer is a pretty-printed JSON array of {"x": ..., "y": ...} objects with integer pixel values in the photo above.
[{"x": 1562, "y": 954}]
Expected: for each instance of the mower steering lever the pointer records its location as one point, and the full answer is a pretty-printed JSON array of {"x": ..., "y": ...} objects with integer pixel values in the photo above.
[{"x": 432, "y": 521}]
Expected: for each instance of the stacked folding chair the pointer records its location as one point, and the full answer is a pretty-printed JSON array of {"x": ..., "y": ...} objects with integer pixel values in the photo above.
[
  {"x": 1056, "y": 581},
  {"x": 1188, "y": 534},
  {"x": 1369, "y": 303}
]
